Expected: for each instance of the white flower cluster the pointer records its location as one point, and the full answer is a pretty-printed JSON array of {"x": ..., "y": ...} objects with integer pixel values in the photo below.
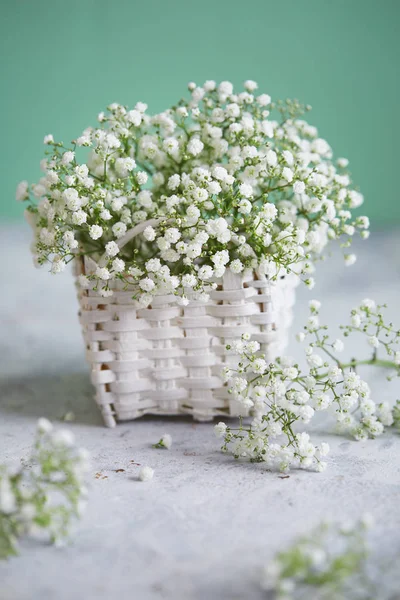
[
  {"x": 46, "y": 493},
  {"x": 281, "y": 397},
  {"x": 338, "y": 382},
  {"x": 330, "y": 562},
  {"x": 278, "y": 399},
  {"x": 233, "y": 180}
]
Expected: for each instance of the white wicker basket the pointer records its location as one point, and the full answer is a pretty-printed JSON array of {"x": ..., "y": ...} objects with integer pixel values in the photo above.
[{"x": 166, "y": 359}]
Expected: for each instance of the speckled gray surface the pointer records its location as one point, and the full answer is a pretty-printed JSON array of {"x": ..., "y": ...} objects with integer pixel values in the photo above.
[{"x": 202, "y": 528}]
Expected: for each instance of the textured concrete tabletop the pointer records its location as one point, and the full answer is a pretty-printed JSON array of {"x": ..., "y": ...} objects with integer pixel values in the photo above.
[{"x": 204, "y": 526}]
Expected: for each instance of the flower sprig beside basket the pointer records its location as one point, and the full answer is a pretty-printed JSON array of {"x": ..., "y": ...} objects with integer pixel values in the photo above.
[{"x": 193, "y": 223}]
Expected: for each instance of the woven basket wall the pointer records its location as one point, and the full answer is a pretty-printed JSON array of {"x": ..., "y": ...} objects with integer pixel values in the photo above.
[{"x": 167, "y": 359}]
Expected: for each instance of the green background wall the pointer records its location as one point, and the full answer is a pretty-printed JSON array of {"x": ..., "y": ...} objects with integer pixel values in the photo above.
[{"x": 62, "y": 62}]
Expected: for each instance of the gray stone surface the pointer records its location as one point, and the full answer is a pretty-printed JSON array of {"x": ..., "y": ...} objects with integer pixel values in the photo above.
[{"x": 203, "y": 527}]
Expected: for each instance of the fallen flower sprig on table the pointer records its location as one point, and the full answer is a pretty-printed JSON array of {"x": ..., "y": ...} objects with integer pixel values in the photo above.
[
  {"x": 329, "y": 563},
  {"x": 164, "y": 442},
  {"x": 281, "y": 396},
  {"x": 46, "y": 493}
]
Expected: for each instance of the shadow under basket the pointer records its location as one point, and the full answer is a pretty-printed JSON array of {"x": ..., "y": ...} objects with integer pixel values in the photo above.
[{"x": 167, "y": 359}]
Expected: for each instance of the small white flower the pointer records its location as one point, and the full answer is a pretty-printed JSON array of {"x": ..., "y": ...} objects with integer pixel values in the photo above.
[
  {"x": 236, "y": 266},
  {"x": 147, "y": 284},
  {"x": 205, "y": 272},
  {"x": 209, "y": 86},
  {"x": 174, "y": 181},
  {"x": 269, "y": 211},
  {"x": 58, "y": 265},
  {"x": 220, "y": 429},
  {"x": 335, "y": 373},
  {"x": 63, "y": 437},
  {"x": 146, "y": 473},
  {"x": 112, "y": 249},
  {"x": 84, "y": 282},
  {"x": 124, "y": 166},
  {"x": 79, "y": 217},
  {"x": 245, "y": 207},
  {"x": 153, "y": 265},
  {"x": 118, "y": 265},
  {"x": 288, "y": 156},
  {"x": 246, "y": 190},
  {"x": 22, "y": 192},
  {"x": 350, "y": 259},
  {"x": 171, "y": 146},
  {"x": 373, "y": 341},
  {"x": 189, "y": 281},
  {"x": 314, "y": 305},
  {"x": 172, "y": 235},
  {"x": 103, "y": 273},
  {"x": 287, "y": 174},
  {"x": 299, "y": 187},
  {"x": 310, "y": 283},
  {"x": 356, "y": 320},
  {"x": 250, "y": 85},
  {"x": 48, "y": 139},
  {"x": 142, "y": 177},
  {"x": 321, "y": 466},
  {"x": 313, "y": 323},
  {"x": 195, "y": 146},
  {"x": 264, "y": 100},
  {"x": 8, "y": 503},
  {"x": 95, "y": 232},
  {"x": 166, "y": 441},
  {"x": 69, "y": 240},
  {"x": 368, "y": 304},
  {"x": 225, "y": 88},
  {"x": 314, "y": 361},
  {"x": 134, "y": 117},
  {"x": 149, "y": 234},
  {"x": 119, "y": 229},
  {"x": 338, "y": 346},
  {"x": 290, "y": 372},
  {"x": 67, "y": 157},
  {"x": 44, "y": 425},
  {"x": 220, "y": 173}
]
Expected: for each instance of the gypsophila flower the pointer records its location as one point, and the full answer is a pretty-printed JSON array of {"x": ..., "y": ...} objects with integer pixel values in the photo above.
[
  {"x": 146, "y": 473},
  {"x": 373, "y": 341},
  {"x": 95, "y": 232},
  {"x": 149, "y": 234},
  {"x": 299, "y": 187},
  {"x": 103, "y": 273},
  {"x": 118, "y": 265},
  {"x": 349, "y": 259},
  {"x": 112, "y": 249},
  {"x": 119, "y": 229},
  {"x": 338, "y": 346},
  {"x": 22, "y": 192},
  {"x": 164, "y": 442},
  {"x": 220, "y": 429}
]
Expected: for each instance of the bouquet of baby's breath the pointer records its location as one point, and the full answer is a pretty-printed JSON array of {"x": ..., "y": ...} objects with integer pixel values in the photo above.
[{"x": 227, "y": 180}]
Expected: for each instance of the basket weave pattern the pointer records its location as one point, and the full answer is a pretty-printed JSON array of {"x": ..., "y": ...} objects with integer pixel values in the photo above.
[{"x": 167, "y": 359}]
